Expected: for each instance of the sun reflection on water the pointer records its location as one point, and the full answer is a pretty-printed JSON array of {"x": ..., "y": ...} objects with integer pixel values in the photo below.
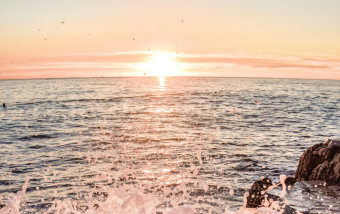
[
  {"x": 161, "y": 81},
  {"x": 162, "y": 85},
  {"x": 162, "y": 110}
]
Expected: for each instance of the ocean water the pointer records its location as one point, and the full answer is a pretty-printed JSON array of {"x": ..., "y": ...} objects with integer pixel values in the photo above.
[{"x": 158, "y": 144}]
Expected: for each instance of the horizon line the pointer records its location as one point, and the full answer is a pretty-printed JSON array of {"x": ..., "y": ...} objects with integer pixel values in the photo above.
[{"x": 53, "y": 78}]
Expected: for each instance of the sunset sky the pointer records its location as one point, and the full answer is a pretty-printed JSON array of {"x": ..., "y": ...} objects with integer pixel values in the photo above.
[{"x": 87, "y": 38}]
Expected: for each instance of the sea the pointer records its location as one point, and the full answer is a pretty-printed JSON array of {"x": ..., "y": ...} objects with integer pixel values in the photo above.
[{"x": 160, "y": 144}]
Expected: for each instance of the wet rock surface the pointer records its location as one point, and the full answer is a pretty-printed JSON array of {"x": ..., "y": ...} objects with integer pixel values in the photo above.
[
  {"x": 315, "y": 187},
  {"x": 314, "y": 197},
  {"x": 320, "y": 162},
  {"x": 256, "y": 196},
  {"x": 302, "y": 197}
]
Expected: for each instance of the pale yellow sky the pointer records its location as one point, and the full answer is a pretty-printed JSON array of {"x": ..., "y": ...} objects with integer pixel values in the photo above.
[{"x": 263, "y": 38}]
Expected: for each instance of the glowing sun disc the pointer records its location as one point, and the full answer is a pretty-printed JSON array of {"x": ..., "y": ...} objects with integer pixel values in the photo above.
[{"x": 161, "y": 65}]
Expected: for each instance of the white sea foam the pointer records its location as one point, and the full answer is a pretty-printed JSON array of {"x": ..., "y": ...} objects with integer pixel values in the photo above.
[
  {"x": 133, "y": 201},
  {"x": 13, "y": 203},
  {"x": 244, "y": 210},
  {"x": 180, "y": 210}
]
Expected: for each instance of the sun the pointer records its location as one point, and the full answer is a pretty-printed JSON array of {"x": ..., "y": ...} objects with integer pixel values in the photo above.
[{"x": 161, "y": 65}]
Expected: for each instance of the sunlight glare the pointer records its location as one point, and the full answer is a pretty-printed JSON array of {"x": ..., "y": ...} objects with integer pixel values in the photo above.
[
  {"x": 161, "y": 81},
  {"x": 161, "y": 65}
]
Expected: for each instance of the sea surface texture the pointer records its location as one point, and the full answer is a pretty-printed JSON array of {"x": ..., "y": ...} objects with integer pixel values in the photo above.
[{"x": 160, "y": 144}]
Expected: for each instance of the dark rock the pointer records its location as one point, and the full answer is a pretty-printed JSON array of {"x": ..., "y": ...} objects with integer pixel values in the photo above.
[
  {"x": 256, "y": 193},
  {"x": 257, "y": 196},
  {"x": 290, "y": 181},
  {"x": 320, "y": 162}
]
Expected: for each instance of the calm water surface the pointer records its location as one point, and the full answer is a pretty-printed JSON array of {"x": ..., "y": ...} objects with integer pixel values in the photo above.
[{"x": 198, "y": 138}]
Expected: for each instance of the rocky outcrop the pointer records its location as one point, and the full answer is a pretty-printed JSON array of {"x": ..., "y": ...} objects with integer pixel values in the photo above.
[
  {"x": 320, "y": 162},
  {"x": 256, "y": 193}
]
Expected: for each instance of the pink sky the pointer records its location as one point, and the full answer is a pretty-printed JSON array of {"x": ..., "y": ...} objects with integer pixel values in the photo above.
[{"x": 277, "y": 39}]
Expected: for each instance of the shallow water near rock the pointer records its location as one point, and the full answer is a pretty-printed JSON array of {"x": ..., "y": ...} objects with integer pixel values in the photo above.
[{"x": 164, "y": 145}]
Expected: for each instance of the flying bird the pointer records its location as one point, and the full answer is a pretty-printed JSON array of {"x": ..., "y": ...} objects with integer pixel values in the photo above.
[{"x": 62, "y": 22}]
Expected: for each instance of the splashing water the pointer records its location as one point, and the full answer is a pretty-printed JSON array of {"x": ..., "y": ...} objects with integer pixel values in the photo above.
[
  {"x": 133, "y": 201},
  {"x": 13, "y": 203}
]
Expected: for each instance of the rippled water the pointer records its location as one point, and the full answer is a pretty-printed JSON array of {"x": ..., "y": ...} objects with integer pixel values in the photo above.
[{"x": 73, "y": 137}]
